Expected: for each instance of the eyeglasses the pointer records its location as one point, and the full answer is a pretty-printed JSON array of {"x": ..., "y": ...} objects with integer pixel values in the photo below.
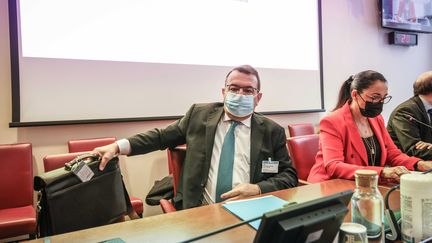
[
  {"x": 245, "y": 90},
  {"x": 377, "y": 99}
]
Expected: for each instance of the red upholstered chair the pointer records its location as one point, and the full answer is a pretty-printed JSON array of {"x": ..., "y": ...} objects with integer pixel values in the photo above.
[
  {"x": 300, "y": 129},
  {"x": 17, "y": 215},
  {"x": 81, "y": 145},
  {"x": 303, "y": 150},
  {"x": 176, "y": 157}
]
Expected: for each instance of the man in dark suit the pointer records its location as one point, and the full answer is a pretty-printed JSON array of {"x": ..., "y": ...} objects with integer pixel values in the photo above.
[
  {"x": 259, "y": 162},
  {"x": 409, "y": 123}
]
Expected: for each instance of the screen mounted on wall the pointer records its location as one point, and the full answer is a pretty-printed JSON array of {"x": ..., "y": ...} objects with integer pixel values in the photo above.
[{"x": 407, "y": 15}]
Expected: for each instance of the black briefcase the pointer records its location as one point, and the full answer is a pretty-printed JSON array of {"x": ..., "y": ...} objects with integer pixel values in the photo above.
[{"x": 67, "y": 204}]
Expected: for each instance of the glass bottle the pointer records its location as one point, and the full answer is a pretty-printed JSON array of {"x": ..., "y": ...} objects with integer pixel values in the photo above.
[{"x": 367, "y": 205}]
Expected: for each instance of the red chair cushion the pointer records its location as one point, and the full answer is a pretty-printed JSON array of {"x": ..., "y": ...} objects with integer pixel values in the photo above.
[
  {"x": 167, "y": 206},
  {"x": 52, "y": 162},
  {"x": 137, "y": 205},
  {"x": 303, "y": 150},
  {"x": 176, "y": 157},
  {"x": 300, "y": 129},
  {"x": 16, "y": 175},
  {"x": 88, "y": 144},
  {"x": 17, "y": 221}
]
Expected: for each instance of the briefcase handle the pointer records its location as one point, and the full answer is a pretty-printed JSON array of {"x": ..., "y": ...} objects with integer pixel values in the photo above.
[{"x": 70, "y": 164}]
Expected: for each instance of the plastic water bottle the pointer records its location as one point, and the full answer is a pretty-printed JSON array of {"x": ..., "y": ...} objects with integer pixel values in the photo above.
[{"x": 367, "y": 206}]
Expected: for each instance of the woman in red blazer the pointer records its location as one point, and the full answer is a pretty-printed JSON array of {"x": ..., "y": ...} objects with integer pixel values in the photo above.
[{"x": 354, "y": 136}]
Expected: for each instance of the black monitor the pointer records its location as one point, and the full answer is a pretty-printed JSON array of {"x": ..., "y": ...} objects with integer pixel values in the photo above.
[
  {"x": 413, "y": 15},
  {"x": 313, "y": 221}
]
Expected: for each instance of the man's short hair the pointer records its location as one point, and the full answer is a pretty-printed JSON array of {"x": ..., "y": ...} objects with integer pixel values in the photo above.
[
  {"x": 246, "y": 69},
  {"x": 423, "y": 84}
]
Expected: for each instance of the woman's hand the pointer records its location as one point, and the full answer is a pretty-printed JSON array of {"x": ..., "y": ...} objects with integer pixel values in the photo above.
[
  {"x": 394, "y": 173},
  {"x": 424, "y": 165}
]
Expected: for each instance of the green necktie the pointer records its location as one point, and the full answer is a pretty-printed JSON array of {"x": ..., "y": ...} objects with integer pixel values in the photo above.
[
  {"x": 226, "y": 162},
  {"x": 430, "y": 115}
]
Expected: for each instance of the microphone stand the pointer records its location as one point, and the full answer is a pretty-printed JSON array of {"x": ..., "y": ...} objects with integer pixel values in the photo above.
[{"x": 411, "y": 118}]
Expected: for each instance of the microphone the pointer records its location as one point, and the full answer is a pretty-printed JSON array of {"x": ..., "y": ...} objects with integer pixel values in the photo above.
[
  {"x": 220, "y": 230},
  {"x": 411, "y": 118},
  {"x": 232, "y": 226}
]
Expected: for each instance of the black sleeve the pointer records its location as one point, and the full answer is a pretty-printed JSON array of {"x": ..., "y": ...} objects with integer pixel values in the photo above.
[{"x": 160, "y": 139}]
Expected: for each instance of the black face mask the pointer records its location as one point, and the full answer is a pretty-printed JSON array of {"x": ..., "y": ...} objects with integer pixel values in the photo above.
[{"x": 372, "y": 109}]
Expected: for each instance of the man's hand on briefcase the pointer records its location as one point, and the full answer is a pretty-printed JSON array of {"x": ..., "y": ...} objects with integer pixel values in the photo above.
[{"x": 106, "y": 153}]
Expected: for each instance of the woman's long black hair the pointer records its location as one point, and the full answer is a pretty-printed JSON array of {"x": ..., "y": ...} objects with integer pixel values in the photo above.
[{"x": 360, "y": 81}]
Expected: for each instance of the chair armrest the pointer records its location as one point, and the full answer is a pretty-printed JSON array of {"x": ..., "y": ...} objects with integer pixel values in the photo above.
[
  {"x": 303, "y": 182},
  {"x": 167, "y": 206}
]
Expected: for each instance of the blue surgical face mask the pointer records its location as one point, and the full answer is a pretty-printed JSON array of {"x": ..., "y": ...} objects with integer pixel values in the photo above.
[{"x": 239, "y": 105}]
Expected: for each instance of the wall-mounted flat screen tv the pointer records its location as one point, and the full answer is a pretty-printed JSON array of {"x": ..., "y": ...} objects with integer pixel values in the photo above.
[{"x": 407, "y": 15}]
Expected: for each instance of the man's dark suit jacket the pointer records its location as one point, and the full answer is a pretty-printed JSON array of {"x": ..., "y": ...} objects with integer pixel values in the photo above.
[
  {"x": 406, "y": 133},
  {"x": 197, "y": 129}
]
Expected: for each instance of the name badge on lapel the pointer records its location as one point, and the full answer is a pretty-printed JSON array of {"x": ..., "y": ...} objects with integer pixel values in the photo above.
[{"x": 269, "y": 166}]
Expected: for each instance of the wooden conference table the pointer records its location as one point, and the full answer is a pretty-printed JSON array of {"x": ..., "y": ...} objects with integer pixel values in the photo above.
[{"x": 185, "y": 224}]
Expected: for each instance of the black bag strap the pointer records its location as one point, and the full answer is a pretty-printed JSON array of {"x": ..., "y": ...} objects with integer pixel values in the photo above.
[{"x": 42, "y": 217}]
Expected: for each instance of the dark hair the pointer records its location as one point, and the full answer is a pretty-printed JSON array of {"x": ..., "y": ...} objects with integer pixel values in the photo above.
[
  {"x": 360, "y": 82},
  {"x": 246, "y": 69},
  {"x": 423, "y": 84}
]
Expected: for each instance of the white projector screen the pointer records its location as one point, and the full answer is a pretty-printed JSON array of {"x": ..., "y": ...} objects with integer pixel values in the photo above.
[{"x": 107, "y": 60}]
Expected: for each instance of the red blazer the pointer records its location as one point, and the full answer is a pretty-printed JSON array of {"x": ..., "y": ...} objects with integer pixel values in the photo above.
[{"x": 342, "y": 151}]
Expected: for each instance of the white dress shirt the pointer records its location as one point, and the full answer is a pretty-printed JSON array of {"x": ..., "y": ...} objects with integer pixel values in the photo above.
[{"x": 241, "y": 168}]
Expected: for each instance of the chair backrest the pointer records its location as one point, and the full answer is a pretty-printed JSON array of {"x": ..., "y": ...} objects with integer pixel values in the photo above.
[
  {"x": 16, "y": 175},
  {"x": 52, "y": 162},
  {"x": 300, "y": 129},
  {"x": 176, "y": 157},
  {"x": 303, "y": 150},
  {"x": 89, "y": 144}
]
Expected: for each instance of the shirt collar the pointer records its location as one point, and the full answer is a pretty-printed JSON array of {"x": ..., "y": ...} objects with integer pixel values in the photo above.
[
  {"x": 426, "y": 104},
  {"x": 246, "y": 122}
]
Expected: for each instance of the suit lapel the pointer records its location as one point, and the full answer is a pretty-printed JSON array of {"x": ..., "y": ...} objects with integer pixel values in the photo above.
[
  {"x": 356, "y": 140},
  {"x": 422, "y": 108},
  {"x": 212, "y": 122},
  {"x": 257, "y": 134}
]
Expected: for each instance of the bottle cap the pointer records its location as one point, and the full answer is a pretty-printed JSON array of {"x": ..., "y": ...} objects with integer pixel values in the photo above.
[
  {"x": 366, "y": 173},
  {"x": 366, "y": 178}
]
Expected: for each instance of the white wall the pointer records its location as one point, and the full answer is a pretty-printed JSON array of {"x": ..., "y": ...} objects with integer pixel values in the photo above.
[{"x": 352, "y": 41}]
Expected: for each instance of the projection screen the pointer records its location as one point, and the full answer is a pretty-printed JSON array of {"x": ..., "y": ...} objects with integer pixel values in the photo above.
[{"x": 84, "y": 61}]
